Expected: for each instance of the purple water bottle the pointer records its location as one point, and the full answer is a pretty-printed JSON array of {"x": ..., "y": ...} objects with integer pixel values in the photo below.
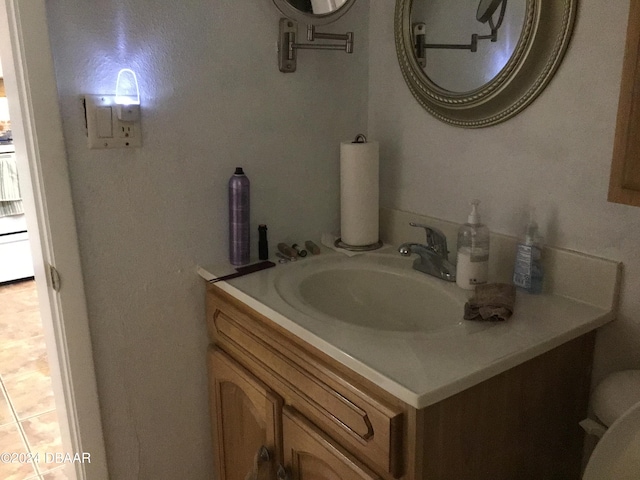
[{"x": 239, "y": 218}]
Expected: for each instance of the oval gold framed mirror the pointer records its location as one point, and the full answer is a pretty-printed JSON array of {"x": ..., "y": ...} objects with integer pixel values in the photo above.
[{"x": 476, "y": 63}]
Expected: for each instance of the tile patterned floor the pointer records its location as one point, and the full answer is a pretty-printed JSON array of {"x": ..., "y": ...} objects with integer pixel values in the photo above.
[{"x": 28, "y": 420}]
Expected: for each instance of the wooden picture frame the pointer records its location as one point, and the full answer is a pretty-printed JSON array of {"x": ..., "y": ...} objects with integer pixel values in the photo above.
[{"x": 624, "y": 182}]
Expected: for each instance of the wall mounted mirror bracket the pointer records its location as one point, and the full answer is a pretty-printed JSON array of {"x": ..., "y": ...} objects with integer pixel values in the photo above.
[{"x": 288, "y": 44}]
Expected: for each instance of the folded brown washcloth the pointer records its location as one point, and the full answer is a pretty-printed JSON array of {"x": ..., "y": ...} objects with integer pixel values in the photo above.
[{"x": 493, "y": 302}]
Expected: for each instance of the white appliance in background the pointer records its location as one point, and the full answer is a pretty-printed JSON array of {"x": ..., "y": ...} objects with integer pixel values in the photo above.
[{"x": 15, "y": 251}]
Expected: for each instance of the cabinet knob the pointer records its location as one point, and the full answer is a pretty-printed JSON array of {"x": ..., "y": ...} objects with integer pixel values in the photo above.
[
  {"x": 260, "y": 459},
  {"x": 282, "y": 474},
  {"x": 263, "y": 455}
]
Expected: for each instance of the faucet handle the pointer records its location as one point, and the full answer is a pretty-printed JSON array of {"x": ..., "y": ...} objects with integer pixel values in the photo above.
[{"x": 436, "y": 239}]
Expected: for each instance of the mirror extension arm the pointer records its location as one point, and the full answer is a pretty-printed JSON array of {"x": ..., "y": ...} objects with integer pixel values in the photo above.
[
  {"x": 484, "y": 16},
  {"x": 287, "y": 45}
]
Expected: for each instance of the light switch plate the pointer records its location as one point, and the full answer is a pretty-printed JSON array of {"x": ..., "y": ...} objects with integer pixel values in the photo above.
[{"x": 104, "y": 129}]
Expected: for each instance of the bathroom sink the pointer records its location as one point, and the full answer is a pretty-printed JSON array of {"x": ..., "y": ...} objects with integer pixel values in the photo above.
[{"x": 374, "y": 291}]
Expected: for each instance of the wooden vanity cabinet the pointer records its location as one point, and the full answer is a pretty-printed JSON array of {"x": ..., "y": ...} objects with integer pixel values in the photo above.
[
  {"x": 323, "y": 421},
  {"x": 310, "y": 454},
  {"x": 246, "y": 416}
]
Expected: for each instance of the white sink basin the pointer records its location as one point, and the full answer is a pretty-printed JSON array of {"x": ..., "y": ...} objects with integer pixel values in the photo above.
[{"x": 374, "y": 291}]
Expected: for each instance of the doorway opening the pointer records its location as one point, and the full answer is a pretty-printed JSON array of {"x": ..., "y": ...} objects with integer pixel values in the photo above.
[
  {"x": 28, "y": 417},
  {"x": 29, "y": 78}
]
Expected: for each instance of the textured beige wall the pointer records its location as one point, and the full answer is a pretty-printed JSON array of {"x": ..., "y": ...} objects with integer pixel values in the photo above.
[{"x": 212, "y": 99}]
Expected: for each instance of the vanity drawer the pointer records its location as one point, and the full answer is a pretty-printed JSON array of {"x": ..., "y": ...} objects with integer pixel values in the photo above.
[{"x": 364, "y": 423}]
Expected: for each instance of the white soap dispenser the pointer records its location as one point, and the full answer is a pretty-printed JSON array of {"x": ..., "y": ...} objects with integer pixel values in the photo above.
[{"x": 473, "y": 251}]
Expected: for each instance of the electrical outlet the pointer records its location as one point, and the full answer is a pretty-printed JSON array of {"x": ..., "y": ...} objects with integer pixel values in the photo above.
[
  {"x": 127, "y": 130},
  {"x": 105, "y": 129}
]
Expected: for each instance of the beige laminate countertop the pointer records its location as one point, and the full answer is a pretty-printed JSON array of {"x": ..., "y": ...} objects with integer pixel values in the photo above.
[{"x": 423, "y": 368}]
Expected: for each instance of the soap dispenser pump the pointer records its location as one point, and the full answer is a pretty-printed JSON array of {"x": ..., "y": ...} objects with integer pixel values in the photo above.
[{"x": 473, "y": 251}]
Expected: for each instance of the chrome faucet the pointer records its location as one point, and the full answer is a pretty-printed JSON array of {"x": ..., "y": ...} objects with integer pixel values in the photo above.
[{"x": 433, "y": 256}]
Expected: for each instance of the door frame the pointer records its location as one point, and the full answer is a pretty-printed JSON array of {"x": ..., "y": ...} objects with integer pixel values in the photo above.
[{"x": 44, "y": 180}]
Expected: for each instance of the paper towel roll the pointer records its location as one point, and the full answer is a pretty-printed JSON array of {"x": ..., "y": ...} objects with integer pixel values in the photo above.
[{"x": 359, "y": 193}]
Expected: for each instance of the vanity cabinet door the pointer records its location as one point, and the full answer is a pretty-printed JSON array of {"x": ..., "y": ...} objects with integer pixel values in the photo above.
[
  {"x": 246, "y": 416},
  {"x": 356, "y": 416},
  {"x": 310, "y": 455}
]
